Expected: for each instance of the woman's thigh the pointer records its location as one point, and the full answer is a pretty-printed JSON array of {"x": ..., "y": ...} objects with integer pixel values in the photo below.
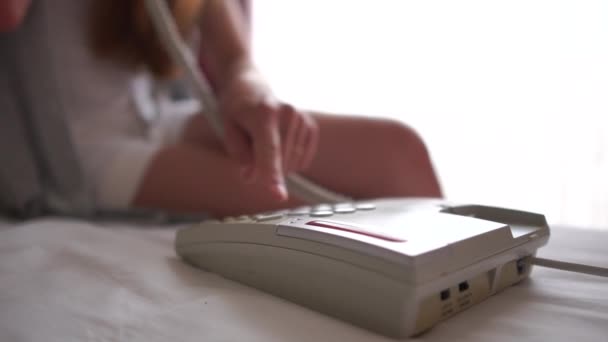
[
  {"x": 360, "y": 157},
  {"x": 370, "y": 157}
]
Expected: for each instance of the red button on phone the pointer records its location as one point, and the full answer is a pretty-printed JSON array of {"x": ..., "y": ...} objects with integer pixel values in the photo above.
[{"x": 353, "y": 229}]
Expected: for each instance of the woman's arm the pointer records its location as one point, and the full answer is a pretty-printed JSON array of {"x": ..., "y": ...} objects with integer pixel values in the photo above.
[
  {"x": 225, "y": 41},
  {"x": 251, "y": 134},
  {"x": 12, "y": 13},
  {"x": 268, "y": 137}
]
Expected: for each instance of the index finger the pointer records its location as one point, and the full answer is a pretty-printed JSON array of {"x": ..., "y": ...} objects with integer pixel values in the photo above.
[{"x": 267, "y": 151}]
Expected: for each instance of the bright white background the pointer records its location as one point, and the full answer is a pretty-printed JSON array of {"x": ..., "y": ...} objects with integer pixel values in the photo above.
[{"x": 511, "y": 96}]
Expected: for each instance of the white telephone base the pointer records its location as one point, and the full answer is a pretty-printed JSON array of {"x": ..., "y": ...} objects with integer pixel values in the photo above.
[{"x": 394, "y": 266}]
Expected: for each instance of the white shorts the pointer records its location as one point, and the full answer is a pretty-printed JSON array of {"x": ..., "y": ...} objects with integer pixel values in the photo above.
[{"x": 114, "y": 162}]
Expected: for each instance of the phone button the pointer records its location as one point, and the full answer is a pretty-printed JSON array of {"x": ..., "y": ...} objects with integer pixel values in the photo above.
[
  {"x": 321, "y": 213},
  {"x": 365, "y": 206},
  {"x": 268, "y": 217}
]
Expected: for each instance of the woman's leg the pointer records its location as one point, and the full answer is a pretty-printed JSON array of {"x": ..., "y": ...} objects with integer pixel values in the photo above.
[
  {"x": 369, "y": 158},
  {"x": 360, "y": 157}
]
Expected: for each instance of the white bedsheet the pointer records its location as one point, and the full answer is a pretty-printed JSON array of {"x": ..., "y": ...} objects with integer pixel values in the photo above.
[{"x": 64, "y": 280}]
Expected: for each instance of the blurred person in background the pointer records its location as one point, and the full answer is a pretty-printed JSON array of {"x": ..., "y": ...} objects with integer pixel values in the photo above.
[{"x": 93, "y": 49}]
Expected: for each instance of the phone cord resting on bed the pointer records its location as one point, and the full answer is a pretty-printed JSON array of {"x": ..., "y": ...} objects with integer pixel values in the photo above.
[
  {"x": 571, "y": 267},
  {"x": 181, "y": 54}
]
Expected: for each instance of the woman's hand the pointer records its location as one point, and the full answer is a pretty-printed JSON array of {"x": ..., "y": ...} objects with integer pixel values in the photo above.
[
  {"x": 299, "y": 138},
  {"x": 269, "y": 138},
  {"x": 12, "y": 13}
]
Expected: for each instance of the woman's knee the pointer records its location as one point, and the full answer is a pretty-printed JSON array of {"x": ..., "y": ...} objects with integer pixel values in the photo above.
[
  {"x": 408, "y": 160},
  {"x": 402, "y": 141}
]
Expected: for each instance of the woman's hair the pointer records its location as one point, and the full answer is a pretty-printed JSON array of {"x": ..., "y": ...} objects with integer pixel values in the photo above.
[{"x": 122, "y": 31}]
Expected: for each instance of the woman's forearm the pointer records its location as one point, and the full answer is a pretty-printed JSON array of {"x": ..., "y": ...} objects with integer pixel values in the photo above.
[
  {"x": 12, "y": 13},
  {"x": 225, "y": 41}
]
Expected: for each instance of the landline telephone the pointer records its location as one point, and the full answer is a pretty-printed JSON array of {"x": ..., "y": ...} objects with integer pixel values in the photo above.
[{"x": 396, "y": 266}]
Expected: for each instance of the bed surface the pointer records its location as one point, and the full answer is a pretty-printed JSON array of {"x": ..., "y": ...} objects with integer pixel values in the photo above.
[{"x": 69, "y": 280}]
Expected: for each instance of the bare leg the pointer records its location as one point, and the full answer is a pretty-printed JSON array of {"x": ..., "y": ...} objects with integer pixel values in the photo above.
[
  {"x": 367, "y": 158},
  {"x": 360, "y": 157}
]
